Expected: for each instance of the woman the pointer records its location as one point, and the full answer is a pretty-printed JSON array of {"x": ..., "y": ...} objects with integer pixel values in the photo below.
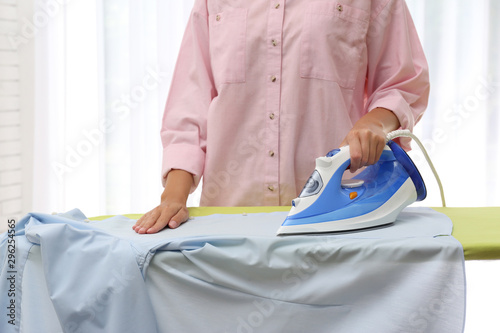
[{"x": 262, "y": 88}]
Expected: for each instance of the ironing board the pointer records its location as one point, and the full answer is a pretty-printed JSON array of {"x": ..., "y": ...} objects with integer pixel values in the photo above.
[
  {"x": 232, "y": 274},
  {"x": 476, "y": 228}
]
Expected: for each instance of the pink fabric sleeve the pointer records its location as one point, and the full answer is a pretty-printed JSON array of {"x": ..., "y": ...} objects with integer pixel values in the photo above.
[
  {"x": 397, "y": 77},
  {"x": 183, "y": 131}
]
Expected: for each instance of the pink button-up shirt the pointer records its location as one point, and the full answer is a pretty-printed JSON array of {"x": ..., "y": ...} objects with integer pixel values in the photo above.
[{"x": 263, "y": 87}]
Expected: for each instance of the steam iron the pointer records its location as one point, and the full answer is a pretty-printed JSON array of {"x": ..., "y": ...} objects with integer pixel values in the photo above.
[{"x": 374, "y": 197}]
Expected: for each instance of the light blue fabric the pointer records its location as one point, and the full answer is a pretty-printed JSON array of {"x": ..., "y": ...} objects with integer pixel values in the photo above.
[
  {"x": 230, "y": 273},
  {"x": 93, "y": 278}
]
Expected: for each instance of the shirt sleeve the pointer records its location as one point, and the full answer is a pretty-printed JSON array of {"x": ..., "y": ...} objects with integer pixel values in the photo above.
[
  {"x": 397, "y": 76},
  {"x": 184, "y": 126}
]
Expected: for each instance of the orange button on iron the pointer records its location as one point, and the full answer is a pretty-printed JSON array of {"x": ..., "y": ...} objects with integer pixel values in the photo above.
[{"x": 353, "y": 195}]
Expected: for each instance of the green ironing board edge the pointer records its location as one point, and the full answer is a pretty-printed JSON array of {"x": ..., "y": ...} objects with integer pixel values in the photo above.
[
  {"x": 204, "y": 211},
  {"x": 476, "y": 228}
]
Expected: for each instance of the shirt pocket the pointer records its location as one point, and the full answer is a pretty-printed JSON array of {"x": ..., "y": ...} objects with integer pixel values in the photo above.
[
  {"x": 333, "y": 38},
  {"x": 227, "y": 31}
]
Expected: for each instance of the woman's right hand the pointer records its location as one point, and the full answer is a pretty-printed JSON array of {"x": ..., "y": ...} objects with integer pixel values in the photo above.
[{"x": 172, "y": 211}]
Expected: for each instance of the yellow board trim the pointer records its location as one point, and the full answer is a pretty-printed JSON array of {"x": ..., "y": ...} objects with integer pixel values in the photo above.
[{"x": 477, "y": 229}]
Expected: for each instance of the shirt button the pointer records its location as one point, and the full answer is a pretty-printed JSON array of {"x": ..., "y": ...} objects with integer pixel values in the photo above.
[
  {"x": 274, "y": 42},
  {"x": 340, "y": 8},
  {"x": 277, "y": 6},
  {"x": 271, "y": 153},
  {"x": 273, "y": 78},
  {"x": 270, "y": 188},
  {"x": 271, "y": 116},
  {"x": 217, "y": 18}
]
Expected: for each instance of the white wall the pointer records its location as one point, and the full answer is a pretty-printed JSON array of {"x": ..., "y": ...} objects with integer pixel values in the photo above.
[{"x": 16, "y": 112}]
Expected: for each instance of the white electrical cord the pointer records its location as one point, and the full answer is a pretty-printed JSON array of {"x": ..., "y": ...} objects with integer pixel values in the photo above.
[{"x": 406, "y": 133}]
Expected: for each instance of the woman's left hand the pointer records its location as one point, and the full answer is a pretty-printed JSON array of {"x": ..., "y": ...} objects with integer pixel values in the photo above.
[{"x": 366, "y": 139}]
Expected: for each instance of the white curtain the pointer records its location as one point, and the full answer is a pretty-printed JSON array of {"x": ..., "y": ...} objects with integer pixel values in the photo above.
[
  {"x": 460, "y": 128},
  {"x": 103, "y": 71},
  {"x": 141, "y": 40}
]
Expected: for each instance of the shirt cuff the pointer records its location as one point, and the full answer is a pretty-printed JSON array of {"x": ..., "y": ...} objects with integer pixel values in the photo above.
[
  {"x": 185, "y": 157},
  {"x": 399, "y": 106}
]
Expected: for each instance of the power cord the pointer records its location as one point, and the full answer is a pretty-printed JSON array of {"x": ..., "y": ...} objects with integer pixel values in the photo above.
[{"x": 406, "y": 133}]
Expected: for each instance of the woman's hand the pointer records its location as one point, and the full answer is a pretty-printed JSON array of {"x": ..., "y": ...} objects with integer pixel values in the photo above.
[
  {"x": 366, "y": 139},
  {"x": 172, "y": 210}
]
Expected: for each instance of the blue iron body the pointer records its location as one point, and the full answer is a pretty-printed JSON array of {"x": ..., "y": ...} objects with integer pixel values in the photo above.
[{"x": 374, "y": 197}]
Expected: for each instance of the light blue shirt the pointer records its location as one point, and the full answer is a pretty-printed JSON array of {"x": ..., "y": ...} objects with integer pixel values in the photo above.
[{"x": 231, "y": 273}]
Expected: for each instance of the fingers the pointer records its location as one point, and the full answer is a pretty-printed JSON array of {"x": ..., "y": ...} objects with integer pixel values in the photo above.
[
  {"x": 365, "y": 148},
  {"x": 180, "y": 217},
  {"x": 355, "y": 150},
  {"x": 145, "y": 221},
  {"x": 161, "y": 217}
]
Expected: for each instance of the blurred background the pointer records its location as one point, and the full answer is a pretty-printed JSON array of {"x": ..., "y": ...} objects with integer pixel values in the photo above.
[{"x": 83, "y": 85}]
